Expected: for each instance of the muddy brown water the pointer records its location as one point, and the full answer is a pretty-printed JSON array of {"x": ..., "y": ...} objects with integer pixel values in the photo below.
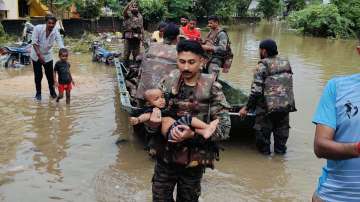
[{"x": 54, "y": 152}]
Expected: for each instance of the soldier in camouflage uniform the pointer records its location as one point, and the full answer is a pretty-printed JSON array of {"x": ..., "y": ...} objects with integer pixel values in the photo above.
[
  {"x": 272, "y": 98},
  {"x": 133, "y": 31},
  {"x": 216, "y": 45},
  {"x": 183, "y": 163}
]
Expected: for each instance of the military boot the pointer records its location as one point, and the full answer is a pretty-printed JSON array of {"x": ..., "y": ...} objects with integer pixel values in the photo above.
[{"x": 280, "y": 149}]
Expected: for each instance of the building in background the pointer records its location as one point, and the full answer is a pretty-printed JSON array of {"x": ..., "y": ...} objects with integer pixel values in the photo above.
[
  {"x": 3, "y": 10},
  {"x": 16, "y": 9}
]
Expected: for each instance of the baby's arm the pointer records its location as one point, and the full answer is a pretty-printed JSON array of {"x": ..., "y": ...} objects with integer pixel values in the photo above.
[{"x": 140, "y": 119}]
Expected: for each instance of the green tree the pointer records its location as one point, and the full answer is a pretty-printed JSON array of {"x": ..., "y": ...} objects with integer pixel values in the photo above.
[
  {"x": 89, "y": 8},
  {"x": 321, "y": 20},
  {"x": 226, "y": 9},
  {"x": 153, "y": 10},
  {"x": 242, "y": 6},
  {"x": 350, "y": 9},
  {"x": 178, "y": 8},
  {"x": 268, "y": 8},
  {"x": 294, "y": 5}
]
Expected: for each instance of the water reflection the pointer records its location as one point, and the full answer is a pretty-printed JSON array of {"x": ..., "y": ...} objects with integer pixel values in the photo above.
[
  {"x": 128, "y": 178},
  {"x": 52, "y": 126}
]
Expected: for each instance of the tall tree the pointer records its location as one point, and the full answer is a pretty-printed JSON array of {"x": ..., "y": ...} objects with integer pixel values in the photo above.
[
  {"x": 268, "y": 8},
  {"x": 242, "y": 6}
]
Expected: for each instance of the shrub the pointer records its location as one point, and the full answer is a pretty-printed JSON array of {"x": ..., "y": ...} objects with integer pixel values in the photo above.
[
  {"x": 178, "y": 8},
  {"x": 89, "y": 8},
  {"x": 321, "y": 20},
  {"x": 153, "y": 10},
  {"x": 2, "y": 31},
  {"x": 350, "y": 9},
  {"x": 294, "y": 5}
]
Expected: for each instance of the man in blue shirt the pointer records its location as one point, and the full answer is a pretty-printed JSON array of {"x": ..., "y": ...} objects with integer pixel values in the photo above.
[{"x": 337, "y": 139}]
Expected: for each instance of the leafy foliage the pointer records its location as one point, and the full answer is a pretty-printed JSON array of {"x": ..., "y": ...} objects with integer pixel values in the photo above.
[
  {"x": 89, "y": 8},
  {"x": 116, "y": 6},
  {"x": 268, "y": 8},
  {"x": 153, "y": 10},
  {"x": 242, "y": 7},
  {"x": 224, "y": 8},
  {"x": 177, "y": 8},
  {"x": 294, "y": 5},
  {"x": 321, "y": 20},
  {"x": 2, "y": 31},
  {"x": 350, "y": 9},
  {"x": 157, "y": 10}
]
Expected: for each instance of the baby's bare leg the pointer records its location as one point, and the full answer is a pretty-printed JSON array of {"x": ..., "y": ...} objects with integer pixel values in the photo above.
[
  {"x": 198, "y": 124},
  {"x": 166, "y": 123},
  {"x": 209, "y": 130}
]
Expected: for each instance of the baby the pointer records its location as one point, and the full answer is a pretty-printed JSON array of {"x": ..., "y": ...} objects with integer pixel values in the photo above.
[{"x": 156, "y": 100}]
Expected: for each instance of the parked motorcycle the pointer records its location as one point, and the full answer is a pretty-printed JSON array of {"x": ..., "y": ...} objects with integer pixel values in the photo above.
[
  {"x": 100, "y": 54},
  {"x": 16, "y": 56}
]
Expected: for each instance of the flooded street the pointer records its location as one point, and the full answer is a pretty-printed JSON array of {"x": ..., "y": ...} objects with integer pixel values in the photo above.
[{"x": 54, "y": 152}]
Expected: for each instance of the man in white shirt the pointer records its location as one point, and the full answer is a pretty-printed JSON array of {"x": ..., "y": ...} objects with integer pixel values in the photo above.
[{"x": 43, "y": 39}]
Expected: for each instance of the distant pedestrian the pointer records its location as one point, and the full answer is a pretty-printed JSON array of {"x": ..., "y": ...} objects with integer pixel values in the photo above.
[
  {"x": 158, "y": 35},
  {"x": 133, "y": 31},
  {"x": 65, "y": 80},
  {"x": 43, "y": 38},
  {"x": 191, "y": 32},
  {"x": 183, "y": 22}
]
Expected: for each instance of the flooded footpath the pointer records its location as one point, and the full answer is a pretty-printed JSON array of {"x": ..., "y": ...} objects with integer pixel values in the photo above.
[{"x": 54, "y": 152}]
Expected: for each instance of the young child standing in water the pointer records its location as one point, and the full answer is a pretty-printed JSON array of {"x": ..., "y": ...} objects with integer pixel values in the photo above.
[{"x": 65, "y": 80}]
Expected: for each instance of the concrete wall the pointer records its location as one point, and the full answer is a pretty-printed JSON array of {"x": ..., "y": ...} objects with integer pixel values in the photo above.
[{"x": 13, "y": 9}]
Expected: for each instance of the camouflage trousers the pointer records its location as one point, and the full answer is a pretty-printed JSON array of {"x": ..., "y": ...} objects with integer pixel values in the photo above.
[
  {"x": 131, "y": 46},
  {"x": 187, "y": 180},
  {"x": 276, "y": 123},
  {"x": 213, "y": 67}
]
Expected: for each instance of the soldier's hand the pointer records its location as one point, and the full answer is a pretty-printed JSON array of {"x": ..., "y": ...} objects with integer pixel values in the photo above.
[
  {"x": 181, "y": 133},
  {"x": 206, "y": 47},
  {"x": 243, "y": 112}
]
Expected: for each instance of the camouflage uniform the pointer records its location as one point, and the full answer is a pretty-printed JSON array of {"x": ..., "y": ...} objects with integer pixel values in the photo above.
[
  {"x": 159, "y": 58},
  {"x": 219, "y": 40},
  {"x": 197, "y": 101},
  {"x": 272, "y": 98},
  {"x": 133, "y": 34}
]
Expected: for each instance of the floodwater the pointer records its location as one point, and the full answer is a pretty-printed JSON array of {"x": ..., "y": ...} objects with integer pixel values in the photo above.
[{"x": 54, "y": 152}]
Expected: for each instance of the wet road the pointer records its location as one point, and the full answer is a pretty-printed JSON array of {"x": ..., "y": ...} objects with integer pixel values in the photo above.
[{"x": 54, "y": 152}]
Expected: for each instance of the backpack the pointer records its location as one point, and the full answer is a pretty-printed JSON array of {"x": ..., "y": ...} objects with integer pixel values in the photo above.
[{"x": 278, "y": 86}]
